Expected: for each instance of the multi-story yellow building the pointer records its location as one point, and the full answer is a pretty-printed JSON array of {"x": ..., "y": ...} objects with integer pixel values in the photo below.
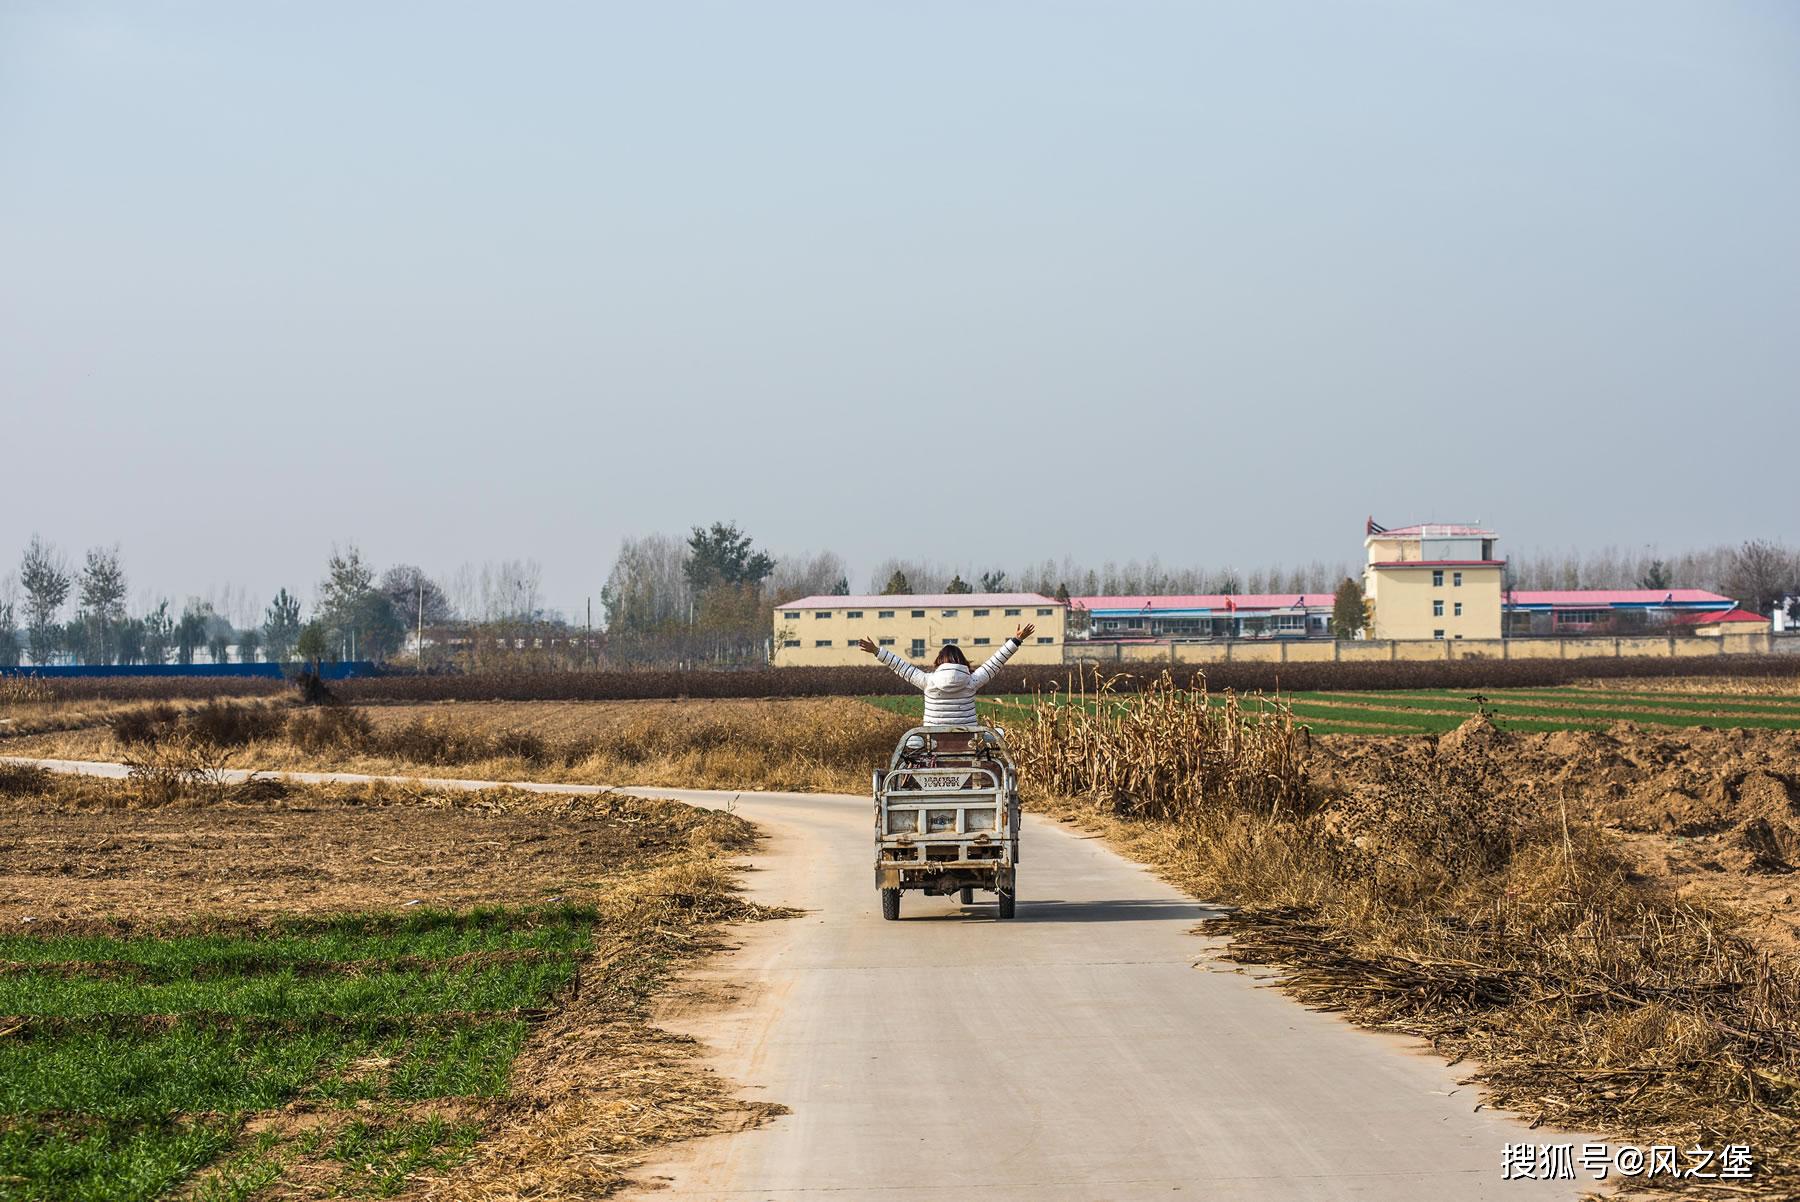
[
  {"x": 818, "y": 632},
  {"x": 1433, "y": 582}
]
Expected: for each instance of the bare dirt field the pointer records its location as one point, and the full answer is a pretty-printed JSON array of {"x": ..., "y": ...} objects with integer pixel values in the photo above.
[{"x": 79, "y": 855}]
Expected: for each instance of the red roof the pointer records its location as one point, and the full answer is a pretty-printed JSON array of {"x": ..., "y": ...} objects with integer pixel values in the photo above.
[
  {"x": 1591, "y": 598},
  {"x": 1709, "y": 619},
  {"x": 922, "y": 601},
  {"x": 1438, "y": 563}
]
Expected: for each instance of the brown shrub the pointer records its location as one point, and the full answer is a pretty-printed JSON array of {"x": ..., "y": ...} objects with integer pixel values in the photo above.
[
  {"x": 145, "y": 725},
  {"x": 23, "y": 780},
  {"x": 331, "y": 728}
]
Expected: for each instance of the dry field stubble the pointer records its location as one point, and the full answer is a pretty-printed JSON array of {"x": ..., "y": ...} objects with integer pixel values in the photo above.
[
  {"x": 1429, "y": 886},
  {"x": 797, "y": 744},
  {"x": 631, "y": 888},
  {"x": 29, "y": 706}
]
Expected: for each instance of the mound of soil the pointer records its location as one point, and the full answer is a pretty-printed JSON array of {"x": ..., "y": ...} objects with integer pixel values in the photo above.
[{"x": 1713, "y": 811}]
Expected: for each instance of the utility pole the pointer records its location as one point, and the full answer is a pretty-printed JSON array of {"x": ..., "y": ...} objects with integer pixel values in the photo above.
[{"x": 421, "y": 649}]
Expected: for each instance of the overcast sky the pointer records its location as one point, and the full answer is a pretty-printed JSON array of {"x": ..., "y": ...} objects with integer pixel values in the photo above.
[{"x": 984, "y": 282}]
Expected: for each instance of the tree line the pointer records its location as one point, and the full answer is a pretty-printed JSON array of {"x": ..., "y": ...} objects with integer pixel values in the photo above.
[
  {"x": 53, "y": 610},
  {"x": 702, "y": 598}
]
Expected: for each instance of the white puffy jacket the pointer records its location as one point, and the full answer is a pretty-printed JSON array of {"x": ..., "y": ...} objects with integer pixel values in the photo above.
[{"x": 949, "y": 688}]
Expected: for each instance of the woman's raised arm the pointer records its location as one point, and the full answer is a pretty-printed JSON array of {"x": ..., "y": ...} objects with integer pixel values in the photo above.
[
  {"x": 910, "y": 673},
  {"x": 987, "y": 671}
]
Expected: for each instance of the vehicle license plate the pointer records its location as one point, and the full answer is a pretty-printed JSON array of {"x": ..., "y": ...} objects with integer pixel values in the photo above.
[{"x": 939, "y": 781}]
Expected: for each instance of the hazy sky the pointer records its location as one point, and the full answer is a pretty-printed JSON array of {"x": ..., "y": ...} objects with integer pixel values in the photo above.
[{"x": 985, "y": 282}]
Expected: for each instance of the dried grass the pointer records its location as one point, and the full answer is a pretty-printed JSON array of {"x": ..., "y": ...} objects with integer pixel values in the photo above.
[
  {"x": 1441, "y": 899},
  {"x": 599, "y": 1086},
  {"x": 1164, "y": 752}
]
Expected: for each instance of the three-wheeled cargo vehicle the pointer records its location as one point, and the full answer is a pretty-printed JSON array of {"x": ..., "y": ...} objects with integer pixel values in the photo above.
[{"x": 947, "y": 817}]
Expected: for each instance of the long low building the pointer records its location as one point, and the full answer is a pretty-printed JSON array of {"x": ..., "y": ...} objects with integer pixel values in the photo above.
[
  {"x": 1207, "y": 616},
  {"x": 1308, "y": 615},
  {"x": 822, "y": 632},
  {"x": 1586, "y": 610}
]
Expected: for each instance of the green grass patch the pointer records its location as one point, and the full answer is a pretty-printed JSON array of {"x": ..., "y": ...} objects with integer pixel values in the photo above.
[
  {"x": 141, "y": 1056},
  {"x": 1407, "y": 712}
]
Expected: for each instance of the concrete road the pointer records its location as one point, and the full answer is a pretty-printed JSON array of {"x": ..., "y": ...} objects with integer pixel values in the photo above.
[{"x": 1091, "y": 1049}]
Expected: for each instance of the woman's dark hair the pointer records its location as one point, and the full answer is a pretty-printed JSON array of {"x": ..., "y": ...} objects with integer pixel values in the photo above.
[{"x": 952, "y": 654}]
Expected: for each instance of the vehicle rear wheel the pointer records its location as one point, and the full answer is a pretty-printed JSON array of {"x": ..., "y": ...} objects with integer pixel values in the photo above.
[
  {"x": 1008, "y": 900},
  {"x": 968, "y": 895},
  {"x": 890, "y": 904}
]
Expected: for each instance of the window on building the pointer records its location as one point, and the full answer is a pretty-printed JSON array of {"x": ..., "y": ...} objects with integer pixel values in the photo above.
[
  {"x": 982, "y": 613},
  {"x": 790, "y": 642},
  {"x": 1458, "y": 609},
  {"x": 855, "y": 613},
  {"x": 949, "y": 613},
  {"x": 949, "y": 642},
  {"x": 821, "y": 642},
  {"x": 885, "y": 642},
  {"x": 1046, "y": 640},
  {"x": 983, "y": 642},
  {"x": 1044, "y": 613},
  {"x": 1290, "y": 622},
  {"x": 917, "y": 648},
  {"x": 790, "y": 614},
  {"x": 918, "y": 613},
  {"x": 1437, "y": 578},
  {"x": 1012, "y": 613},
  {"x": 1437, "y": 609},
  {"x": 823, "y": 613},
  {"x": 1437, "y": 634},
  {"x": 884, "y": 613},
  {"x": 1456, "y": 579}
]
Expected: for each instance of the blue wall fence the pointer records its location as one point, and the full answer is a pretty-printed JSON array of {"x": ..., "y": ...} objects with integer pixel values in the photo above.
[{"x": 336, "y": 671}]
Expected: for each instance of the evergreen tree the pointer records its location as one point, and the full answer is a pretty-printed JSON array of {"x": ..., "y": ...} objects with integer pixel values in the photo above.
[
  {"x": 1347, "y": 609},
  {"x": 9, "y": 636},
  {"x": 312, "y": 646},
  {"x": 897, "y": 585},
  {"x": 281, "y": 626},
  {"x": 360, "y": 622},
  {"x": 159, "y": 634},
  {"x": 1656, "y": 576},
  {"x": 723, "y": 555},
  {"x": 958, "y": 585}
]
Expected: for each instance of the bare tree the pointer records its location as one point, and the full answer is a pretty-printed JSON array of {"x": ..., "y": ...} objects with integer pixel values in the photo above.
[
  {"x": 1761, "y": 574},
  {"x": 647, "y": 589},
  {"x": 102, "y": 593},
  {"x": 44, "y": 574},
  {"x": 411, "y": 591},
  {"x": 805, "y": 575}
]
